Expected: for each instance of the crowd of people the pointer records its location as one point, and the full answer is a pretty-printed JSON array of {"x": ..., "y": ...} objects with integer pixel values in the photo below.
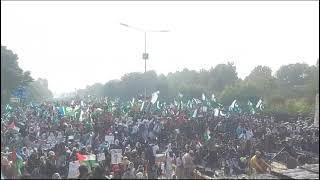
[{"x": 38, "y": 142}]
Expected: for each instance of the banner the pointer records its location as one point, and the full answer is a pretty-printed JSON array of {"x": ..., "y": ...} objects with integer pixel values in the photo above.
[
  {"x": 116, "y": 156},
  {"x": 109, "y": 139},
  {"x": 101, "y": 157},
  {"x": 74, "y": 169}
]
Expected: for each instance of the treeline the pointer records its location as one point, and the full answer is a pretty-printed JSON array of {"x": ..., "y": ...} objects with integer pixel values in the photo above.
[
  {"x": 290, "y": 90},
  {"x": 13, "y": 77}
]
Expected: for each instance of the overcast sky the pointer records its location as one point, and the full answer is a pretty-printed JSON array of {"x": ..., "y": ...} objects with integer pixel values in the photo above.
[{"x": 74, "y": 44}]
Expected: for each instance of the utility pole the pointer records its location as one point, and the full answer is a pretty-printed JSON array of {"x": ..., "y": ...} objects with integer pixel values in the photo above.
[{"x": 145, "y": 55}]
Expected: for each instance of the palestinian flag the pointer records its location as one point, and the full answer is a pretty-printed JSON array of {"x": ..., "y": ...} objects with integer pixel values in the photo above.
[
  {"x": 17, "y": 163},
  {"x": 87, "y": 160},
  {"x": 13, "y": 127}
]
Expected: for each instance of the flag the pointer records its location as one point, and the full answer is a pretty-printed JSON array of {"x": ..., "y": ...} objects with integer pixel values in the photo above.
[
  {"x": 216, "y": 112},
  {"x": 8, "y": 107},
  {"x": 158, "y": 105},
  {"x": 132, "y": 102},
  {"x": 259, "y": 105},
  {"x": 234, "y": 107},
  {"x": 142, "y": 106},
  {"x": 17, "y": 163},
  {"x": 204, "y": 108},
  {"x": 197, "y": 101},
  {"x": 203, "y": 97},
  {"x": 195, "y": 113},
  {"x": 207, "y": 134},
  {"x": 222, "y": 114},
  {"x": 87, "y": 160},
  {"x": 175, "y": 102},
  {"x": 154, "y": 97},
  {"x": 69, "y": 111},
  {"x": 62, "y": 111},
  {"x": 213, "y": 98},
  {"x": 13, "y": 127},
  {"x": 251, "y": 109}
]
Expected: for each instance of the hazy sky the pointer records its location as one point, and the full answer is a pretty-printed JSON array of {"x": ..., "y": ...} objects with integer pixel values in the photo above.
[{"x": 74, "y": 44}]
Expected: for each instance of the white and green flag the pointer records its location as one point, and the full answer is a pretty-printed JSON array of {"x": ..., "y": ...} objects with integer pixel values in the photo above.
[
  {"x": 251, "y": 109},
  {"x": 154, "y": 97},
  {"x": 203, "y": 97},
  {"x": 260, "y": 105},
  {"x": 195, "y": 113}
]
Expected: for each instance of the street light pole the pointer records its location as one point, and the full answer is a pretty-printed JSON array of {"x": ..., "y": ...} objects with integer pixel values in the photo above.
[
  {"x": 145, "y": 62},
  {"x": 145, "y": 55}
]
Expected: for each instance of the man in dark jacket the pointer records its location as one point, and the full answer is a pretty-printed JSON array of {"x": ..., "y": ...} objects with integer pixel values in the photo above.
[{"x": 84, "y": 172}]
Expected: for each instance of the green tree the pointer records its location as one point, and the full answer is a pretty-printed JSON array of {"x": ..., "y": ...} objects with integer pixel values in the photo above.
[
  {"x": 222, "y": 76},
  {"x": 38, "y": 91},
  {"x": 12, "y": 75}
]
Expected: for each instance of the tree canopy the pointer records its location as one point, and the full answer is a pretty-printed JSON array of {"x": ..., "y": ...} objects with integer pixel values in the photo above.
[
  {"x": 290, "y": 90},
  {"x": 13, "y": 77}
]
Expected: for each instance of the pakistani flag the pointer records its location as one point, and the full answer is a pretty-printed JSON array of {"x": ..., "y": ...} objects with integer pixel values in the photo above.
[
  {"x": 197, "y": 101},
  {"x": 259, "y": 105},
  {"x": 81, "y": 115},
  {"x": 69, "y": 111},
  {"x": 158, "y": 105},
  {"x": 154, "y": 97},
  {"x": 87, "y": 160},
  {"x": 203, "y": 97},
  {"x": 142, "y": 105},
  {"x": 175, "y": 102},
  {"x": 195, "y": 113},
  {"x": 132, "y": 102},
  {"x": 251, "y": 109},
  {"x": 234, "y": 107},
  {"x": 8, "y": 107},
  {"x": 189, "y": 104},
  {"x": 213, "y": 98},
  {"x": 77, "y": 112},
  {"x": 223, "y": 114},
  {"x": 216, "y": 112}
]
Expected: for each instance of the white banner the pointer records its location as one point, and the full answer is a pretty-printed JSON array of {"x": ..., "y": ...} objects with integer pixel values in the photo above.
[
  {"x": 109, "y": 139},
  {"x": 101, "y": 157},
  {"x": 116, "y": 156},
  {"x": 74, "y": 169}
]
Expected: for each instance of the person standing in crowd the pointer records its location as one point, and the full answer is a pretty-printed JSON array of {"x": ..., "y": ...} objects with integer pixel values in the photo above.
[
  {"x": 188, "y": 165},
  {"x": 258, "y": 164}
]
